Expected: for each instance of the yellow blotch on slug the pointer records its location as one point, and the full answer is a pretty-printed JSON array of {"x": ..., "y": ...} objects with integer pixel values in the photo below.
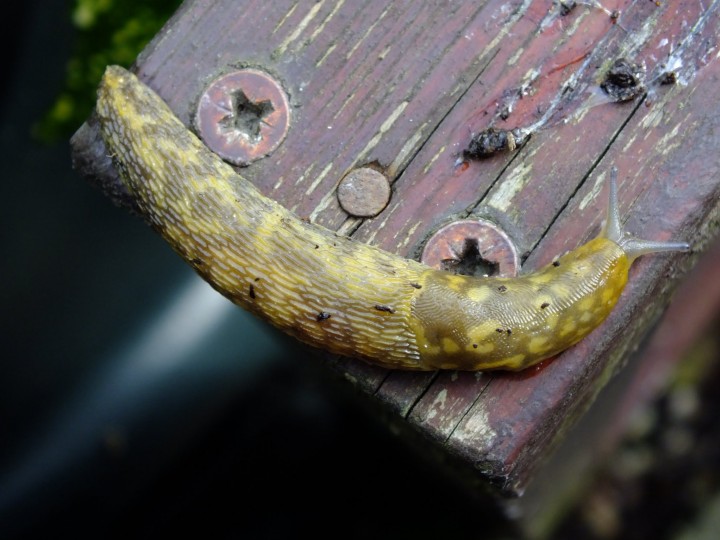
[
  {"x": 512, "y": 362},
  {"x": 449, "y": 365},
  {"x": 450, "y": 346},
  {"x": 609, "y": 295},
  {"x": 551, "y": 321},
  {"x": 425, "y": 346},
  {"x": 457, "y": 283},
  {"x": 478, "y": 294},
  {"x": 481, "y": 348},
  {"x": 568, "y": 328},
  {"x": 539, "y": 344},
  {"x": 486, "y": 331}
]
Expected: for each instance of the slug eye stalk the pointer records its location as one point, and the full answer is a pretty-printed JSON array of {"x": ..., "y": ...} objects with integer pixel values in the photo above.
[{"x": 632, "y": 246}]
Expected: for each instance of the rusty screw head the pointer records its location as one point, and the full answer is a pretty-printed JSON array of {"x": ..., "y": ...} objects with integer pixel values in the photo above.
[
  {"x": 243, "y": 116},
  {"x": 472, "y": 247},
  {"x": 364, "y": 192}
]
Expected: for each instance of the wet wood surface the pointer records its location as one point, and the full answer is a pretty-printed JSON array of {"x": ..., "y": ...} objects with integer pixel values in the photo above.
[{"x": 402, "y": 86}]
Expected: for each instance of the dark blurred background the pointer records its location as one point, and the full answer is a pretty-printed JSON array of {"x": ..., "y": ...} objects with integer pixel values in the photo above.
[{"x": 134, "y": 400}]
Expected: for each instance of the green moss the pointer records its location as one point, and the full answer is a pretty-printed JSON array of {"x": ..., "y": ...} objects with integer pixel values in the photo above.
[{"x": 108, "y": 32}]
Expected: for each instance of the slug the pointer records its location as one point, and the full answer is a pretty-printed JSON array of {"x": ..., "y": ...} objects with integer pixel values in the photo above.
[{"x": 337, "y": 294}]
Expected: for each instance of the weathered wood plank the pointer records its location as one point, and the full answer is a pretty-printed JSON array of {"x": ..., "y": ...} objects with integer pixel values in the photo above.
[
  {"x": 401, "y": 85},
  {"x": 447, "y": 400}
]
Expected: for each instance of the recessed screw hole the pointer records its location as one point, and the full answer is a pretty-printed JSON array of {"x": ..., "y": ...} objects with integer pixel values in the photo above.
[
  {"x": 248, "y": 115},
  {"x": 470, "y": 262}
]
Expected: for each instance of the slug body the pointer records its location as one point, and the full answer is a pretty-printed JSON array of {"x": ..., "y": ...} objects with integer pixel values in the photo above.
[{"x": 343, "y": 296}]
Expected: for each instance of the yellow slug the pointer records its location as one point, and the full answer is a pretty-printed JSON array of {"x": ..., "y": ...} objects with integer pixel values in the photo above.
[{"x": 337, "y": 294}]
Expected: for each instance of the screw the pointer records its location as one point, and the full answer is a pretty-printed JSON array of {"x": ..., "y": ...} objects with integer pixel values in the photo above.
[
  {"x": 472, "y": 247},
  {"x": 364, "y": 192},
  {"x": 243, "y": 116}
]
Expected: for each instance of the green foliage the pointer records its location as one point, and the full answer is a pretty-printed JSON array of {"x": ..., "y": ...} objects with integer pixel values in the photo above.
[{"x": 108, "y": 32}]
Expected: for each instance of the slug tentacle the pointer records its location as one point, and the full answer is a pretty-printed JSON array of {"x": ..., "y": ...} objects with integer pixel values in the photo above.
[
  {"x": 632, "y": 246},
  {"x": 343, "y": 296}
]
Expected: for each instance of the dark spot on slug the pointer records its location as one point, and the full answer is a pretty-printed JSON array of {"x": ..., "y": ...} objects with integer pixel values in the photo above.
[
  {"x": 502, "y": 288},
  {"x": 322, "y": 316},
  {"x": 556, "y": 263},
  {"x": 387, "y": 309},
  {"x": 499, "y": 330},
  {"x": 416, "y": 285},
  {"x": 544, "y": 305},
  {"x": 196, "y": 261},
  {"x": 508, "y": 331},
  {"x": 475, "y": 345},
  {"x": 251, "y": 291},
  {"x": 317, "y": 247}
]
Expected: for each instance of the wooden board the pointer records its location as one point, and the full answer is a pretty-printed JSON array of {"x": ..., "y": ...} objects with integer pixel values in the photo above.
[{"x": 403, "y": 85}]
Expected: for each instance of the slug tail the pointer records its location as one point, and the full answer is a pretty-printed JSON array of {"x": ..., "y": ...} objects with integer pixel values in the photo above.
[{"x": 632, "y": 246}]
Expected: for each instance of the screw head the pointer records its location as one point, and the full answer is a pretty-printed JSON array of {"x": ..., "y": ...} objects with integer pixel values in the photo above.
[
  {"x": 364, "y": 192},
  {"x": 243, "y": 116},
  {"x": 473, "y": 247}
]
